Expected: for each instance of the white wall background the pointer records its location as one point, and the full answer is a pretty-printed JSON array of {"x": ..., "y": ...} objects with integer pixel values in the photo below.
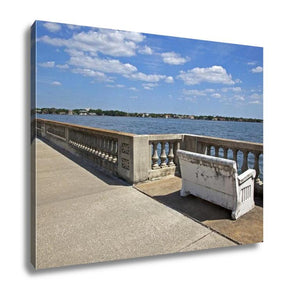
[{"x": 247, "y": 271}]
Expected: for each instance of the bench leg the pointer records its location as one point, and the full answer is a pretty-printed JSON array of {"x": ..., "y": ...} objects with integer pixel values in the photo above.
[
  {"x": 184, "y": 193},
  {"x": 235, "y": 214}
]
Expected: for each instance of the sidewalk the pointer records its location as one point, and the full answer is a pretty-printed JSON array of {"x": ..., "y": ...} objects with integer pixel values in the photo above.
[{"x": 84, "y": 216}]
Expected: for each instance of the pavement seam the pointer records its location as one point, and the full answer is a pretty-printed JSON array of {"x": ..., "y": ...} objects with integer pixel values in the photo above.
[{"x": 192, "y": 243}]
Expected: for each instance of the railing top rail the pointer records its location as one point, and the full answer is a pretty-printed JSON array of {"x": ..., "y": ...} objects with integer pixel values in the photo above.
[
  {"x": 87, "y": 128},
  {"x": 165, "y": 137},
  {"x": 229, "y": 143}
]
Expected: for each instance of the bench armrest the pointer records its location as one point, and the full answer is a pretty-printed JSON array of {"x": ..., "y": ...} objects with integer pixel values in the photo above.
[{"x": 250, "y": 173}]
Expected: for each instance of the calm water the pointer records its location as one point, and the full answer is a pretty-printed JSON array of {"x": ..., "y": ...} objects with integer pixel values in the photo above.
[{"x": 252, "y": 132}]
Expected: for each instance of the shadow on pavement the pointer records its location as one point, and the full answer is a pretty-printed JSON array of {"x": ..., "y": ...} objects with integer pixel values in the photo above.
[
  {"x": 248, "y": 229},
  {"x": 93, "y": 169}
]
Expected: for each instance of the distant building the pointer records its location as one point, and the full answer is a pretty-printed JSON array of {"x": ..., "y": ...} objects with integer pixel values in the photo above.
[
  {"x": 70, "y": 112},
  {"x": 83, "y": 112}
]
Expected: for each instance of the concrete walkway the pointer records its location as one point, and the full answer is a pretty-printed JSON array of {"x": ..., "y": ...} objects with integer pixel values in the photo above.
[{"x": 84, "y": 216}]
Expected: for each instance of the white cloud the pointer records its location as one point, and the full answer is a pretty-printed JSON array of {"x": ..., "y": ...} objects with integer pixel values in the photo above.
[
  {"x": 84, "y": 49},
  {"x": 209, "y": 90},
  {"x": 233, "y": 89},
  {"x": 73, "y": 27},
  {"x": 149, "y": 86},
  {"x": 257, "y": 70},
  {"x": 254, "y": 102},
  {"x": 65, "y": 66},
  {"x": 194, "y": 92},
  {"x": 169, "y": 79},
  {"x": 57, "y": 83},
  {"x": 214, "y": 74},
  {"x": 145, "y": 50},
  {"x": 173, "y": 58},
  {"x": 145, "y": 77},
  {"x": 102, "y": 65},
  {"x": 133, "y": 89},
  {"x": 47, "y": 64},
  {"x": 239, "y": 98},
  {"x": 251, "y": 63},
  {"x": 108, "y": 42},
  {"x": 216, "y": 95},
  {"x": 115, "y": 85},
  {"x": 255, "y": 96},
  {"x": 53, "y": 27},
  {"x": 198, "y": 93},
  {"x": 99, "y": 76}
]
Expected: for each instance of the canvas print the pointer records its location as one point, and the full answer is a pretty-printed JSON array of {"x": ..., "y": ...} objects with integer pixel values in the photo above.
[{"x": 142, "y": 145}]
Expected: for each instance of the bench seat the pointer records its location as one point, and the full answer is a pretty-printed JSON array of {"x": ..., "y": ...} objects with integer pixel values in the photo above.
[{"x": 216, "y": 180}]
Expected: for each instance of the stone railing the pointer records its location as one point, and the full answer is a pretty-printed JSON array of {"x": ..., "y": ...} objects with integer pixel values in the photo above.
[
  {"x": 163, "y": 158},
  {"x": 137, "y": 158},
  {"x": 246, "y": 154},
  {"x": 105, "y": 149}
]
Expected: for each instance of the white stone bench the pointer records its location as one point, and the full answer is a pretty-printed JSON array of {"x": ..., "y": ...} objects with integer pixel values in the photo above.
[{"x": 216, "y": 180}]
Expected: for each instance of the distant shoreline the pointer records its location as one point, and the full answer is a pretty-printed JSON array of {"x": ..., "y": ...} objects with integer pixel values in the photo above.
[{"x": 117, "y": 113}]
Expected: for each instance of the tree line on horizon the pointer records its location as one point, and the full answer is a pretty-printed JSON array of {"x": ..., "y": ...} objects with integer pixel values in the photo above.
[{"x": 100, "y": 112}]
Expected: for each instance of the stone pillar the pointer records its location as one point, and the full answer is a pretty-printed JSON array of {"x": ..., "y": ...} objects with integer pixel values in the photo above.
[
  {"x": 134, "y": 161},
  {"x": 141, "y": 158},
  {"x": 43, "y": 129}
]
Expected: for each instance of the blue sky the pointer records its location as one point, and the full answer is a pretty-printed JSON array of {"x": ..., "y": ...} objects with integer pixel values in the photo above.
[{"x": 86, "y": 67}]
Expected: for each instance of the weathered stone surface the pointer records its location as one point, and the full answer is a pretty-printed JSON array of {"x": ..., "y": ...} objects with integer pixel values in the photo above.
[{"x": 216, "y": 180}]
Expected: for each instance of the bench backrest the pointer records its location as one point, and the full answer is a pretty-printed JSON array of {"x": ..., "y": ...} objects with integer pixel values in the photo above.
[{"x": 210, "y": 177}]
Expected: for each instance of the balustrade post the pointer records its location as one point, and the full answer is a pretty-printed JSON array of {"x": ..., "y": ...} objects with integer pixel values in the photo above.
[
  {"x": 67, "y": 134},
  {"x": 102, "y": 147},
  {"x": 225, "y": 152},
  {"x": 235, "y": 151},
  {"x": 256, "y": 163},
  {"x": 155, "y": 156},
  {"x": 216, "y": 151},
  {"x": 208, "y": 150},
  {"x": 110, "y": 158},
  {"x": 93, "y": 144},
  {"x": 171, "y": 155},
  {"x": 176, "y": 148},
  {"x": 106, "y": 149},
  {"x": 115, "y": 152},
  {"x": 99, "y": 153},
  {"x": 163, "y": 156},
  {"x": 245, "y": 161}
]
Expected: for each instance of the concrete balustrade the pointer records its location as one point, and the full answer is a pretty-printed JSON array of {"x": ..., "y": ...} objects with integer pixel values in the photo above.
[
  {"x": 219, "y": 147},
  {"x": 137, "y": 158}
]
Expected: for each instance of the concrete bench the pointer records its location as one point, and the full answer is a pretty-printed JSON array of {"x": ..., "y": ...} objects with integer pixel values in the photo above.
[{"x": 216, "y": 180}]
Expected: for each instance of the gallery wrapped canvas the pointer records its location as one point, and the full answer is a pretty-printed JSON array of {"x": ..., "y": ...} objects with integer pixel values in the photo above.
[{"x": 142, "y": 145}]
